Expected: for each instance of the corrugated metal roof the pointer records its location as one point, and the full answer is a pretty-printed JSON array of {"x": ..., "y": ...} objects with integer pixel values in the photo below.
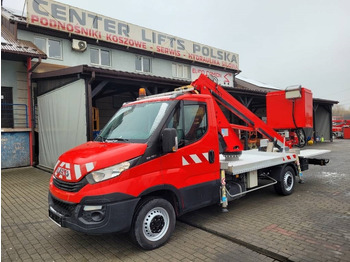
[
  {"x": 20, "y": 47},
  {"x": 244, "y": 83},
  {"x": 256, "y": 86},
  {"x": 3, "y": 40},
  {"x": 13, "y": 15}
]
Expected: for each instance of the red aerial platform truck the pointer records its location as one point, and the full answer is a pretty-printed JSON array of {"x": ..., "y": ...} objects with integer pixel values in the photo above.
[{"x": 164, "y": 155}]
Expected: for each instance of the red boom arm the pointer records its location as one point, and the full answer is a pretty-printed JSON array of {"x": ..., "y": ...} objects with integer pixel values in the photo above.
[{"x": 204, "y": 85}]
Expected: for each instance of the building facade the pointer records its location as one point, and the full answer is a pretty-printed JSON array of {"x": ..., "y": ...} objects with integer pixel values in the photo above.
[
  {"x": 80, "y": 67},
  {"x": 17, "y": 134},
  {"x": 92, "y": 65}
]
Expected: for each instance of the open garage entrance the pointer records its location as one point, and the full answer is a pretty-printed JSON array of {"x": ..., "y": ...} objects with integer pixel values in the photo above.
[{"x": 73, "y": 104}]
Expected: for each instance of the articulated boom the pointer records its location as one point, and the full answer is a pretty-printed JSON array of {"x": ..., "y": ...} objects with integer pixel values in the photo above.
[{"x": 204, "y": 85}]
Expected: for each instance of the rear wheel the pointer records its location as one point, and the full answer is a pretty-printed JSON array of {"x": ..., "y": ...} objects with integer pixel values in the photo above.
[
  {"x": 286, "y": 181},
  {"x": 154, "y": 223}
]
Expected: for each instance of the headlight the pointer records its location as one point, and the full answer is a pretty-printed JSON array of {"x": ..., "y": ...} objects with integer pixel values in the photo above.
[{"x": 107, "y": 173}]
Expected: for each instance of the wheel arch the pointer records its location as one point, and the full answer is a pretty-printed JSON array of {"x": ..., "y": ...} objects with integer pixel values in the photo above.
[
  {"x": 276, "y": 170},
  {"x": 167, "y": 192},
  {"x": 285, "y": 181}
]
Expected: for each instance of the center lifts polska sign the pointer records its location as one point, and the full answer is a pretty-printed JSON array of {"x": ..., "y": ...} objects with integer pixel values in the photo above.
[{"x": 62, "y": 17}]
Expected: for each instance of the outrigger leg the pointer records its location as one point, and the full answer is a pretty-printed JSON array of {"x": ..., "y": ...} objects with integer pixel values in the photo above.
[
  {"x": 224, "y": 202},
  {"x": 300, "y": 174}
]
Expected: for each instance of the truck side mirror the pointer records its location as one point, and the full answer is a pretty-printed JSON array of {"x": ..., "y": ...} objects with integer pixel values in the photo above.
[{"x": 169, "y": 140}]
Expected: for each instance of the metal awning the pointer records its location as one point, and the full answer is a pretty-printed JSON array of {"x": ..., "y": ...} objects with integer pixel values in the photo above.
[{"x": 13, "y": 46}]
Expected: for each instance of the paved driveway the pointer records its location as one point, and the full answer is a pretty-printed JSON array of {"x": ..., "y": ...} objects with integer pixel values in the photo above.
[{"x": 310, "y": 225}]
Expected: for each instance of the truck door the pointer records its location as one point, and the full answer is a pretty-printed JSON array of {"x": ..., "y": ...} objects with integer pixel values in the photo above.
[{"x": 194, "y": 168}]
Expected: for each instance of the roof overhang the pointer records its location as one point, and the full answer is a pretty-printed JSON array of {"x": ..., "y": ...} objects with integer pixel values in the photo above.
[
  {"x": 16, "y": 49},
  {"x": 86, "y": 71},
  {"x": 325, "y": 101}
]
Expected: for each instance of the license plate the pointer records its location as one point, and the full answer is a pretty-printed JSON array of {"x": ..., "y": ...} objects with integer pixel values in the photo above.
[{"x": 55, "y": 217}]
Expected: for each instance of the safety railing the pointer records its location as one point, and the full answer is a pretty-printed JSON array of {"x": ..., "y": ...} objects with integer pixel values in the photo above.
[{"x": 14, "y": 115}]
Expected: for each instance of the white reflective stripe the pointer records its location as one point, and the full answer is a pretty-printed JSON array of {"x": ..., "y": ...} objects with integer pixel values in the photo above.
[
  {"x": 62, "y": 164},
  {"x": 89, "y": 166},
  {"x": 206, "y": 155},
  {"x": 56, "y": 165},
  {"x": 184, "y": 162},
  {"x": 196, "y": 159},
  {"x": 77, "y": 171}
]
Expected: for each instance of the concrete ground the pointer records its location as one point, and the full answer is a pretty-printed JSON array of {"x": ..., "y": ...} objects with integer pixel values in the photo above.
[{"x": 312, "y": 224}]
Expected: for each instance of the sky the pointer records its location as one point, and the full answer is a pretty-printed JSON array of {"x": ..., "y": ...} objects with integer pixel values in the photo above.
[{"x": 280, "y": 43}]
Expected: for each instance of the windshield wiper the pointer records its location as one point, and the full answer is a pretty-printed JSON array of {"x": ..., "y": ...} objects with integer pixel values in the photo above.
[
  {"x": 100, "y": 138},
  {"x": 116, "y": 139}
]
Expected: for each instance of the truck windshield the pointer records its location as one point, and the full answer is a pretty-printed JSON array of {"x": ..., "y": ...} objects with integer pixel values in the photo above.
[{"x": 135, "y": 122}]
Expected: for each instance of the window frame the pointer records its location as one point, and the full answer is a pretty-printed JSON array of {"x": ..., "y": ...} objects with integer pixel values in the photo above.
[
  {"x": 47, "y": 46},
  {"x": 100, "y": 56},
  {"x": 185, "y": 69},
  {"x": 182, "y": 121},
  {"x": 141, "y": 58}
]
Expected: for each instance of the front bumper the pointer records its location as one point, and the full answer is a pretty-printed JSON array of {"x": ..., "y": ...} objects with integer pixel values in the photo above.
[{"x": 94, "y": 215}]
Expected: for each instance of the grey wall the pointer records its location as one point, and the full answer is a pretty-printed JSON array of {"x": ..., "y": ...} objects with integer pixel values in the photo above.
[
  {"x": 123, "y": 61},
  {"x": 14, "y": 74}
]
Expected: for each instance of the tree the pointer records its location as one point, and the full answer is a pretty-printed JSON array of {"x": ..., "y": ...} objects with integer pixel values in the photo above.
[{"x": 342, "y": 111}]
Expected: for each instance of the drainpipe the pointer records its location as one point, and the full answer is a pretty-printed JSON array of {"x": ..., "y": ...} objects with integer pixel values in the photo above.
[
  {"x": 29, "y": 102},
  {"x": 32, "y": 68},
  {"x": 31, "y": 116}
]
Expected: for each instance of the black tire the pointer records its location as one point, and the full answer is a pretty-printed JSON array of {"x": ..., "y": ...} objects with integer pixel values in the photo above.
[
  {"x": 301, "y": 137},
  {"x": 154, "y": 223},
  {"x": 285, "y": 180}
]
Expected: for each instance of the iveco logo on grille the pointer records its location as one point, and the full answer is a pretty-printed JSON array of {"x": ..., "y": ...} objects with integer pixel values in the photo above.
[{"x": 62, "y": 172}]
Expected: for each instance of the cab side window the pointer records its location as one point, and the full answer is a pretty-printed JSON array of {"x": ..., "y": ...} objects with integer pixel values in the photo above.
[{"x": 190, "y": 122}]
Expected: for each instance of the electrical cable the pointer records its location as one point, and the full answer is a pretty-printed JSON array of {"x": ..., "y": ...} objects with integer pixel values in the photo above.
[{"x": 299, "y": 131}]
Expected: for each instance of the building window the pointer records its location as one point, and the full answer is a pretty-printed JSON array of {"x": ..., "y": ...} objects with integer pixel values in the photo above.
[
  {"x": 180, "y": 71},
  {"x": 143, "y": 64},
  {"x": 52, "y": 47},
  {"x": 100, "y": 57}
]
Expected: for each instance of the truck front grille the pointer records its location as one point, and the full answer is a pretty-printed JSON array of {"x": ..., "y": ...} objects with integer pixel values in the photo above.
[
  {"x": 69, "y": 186},
  {"x": 62, "y": 207}
]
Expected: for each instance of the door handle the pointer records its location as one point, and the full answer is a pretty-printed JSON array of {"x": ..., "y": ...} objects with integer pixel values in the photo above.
[{"x": 211, "y": 156}]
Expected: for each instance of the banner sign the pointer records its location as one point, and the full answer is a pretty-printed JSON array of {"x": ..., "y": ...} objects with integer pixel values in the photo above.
[
  {"x": 225, "y": 79},
  {"x": 62, "y": 17}
]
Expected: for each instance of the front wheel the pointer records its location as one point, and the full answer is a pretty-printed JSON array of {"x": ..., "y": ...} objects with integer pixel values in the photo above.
[
  {"x": 154, "y": 223},
  {"x": 286, "y": 181}
]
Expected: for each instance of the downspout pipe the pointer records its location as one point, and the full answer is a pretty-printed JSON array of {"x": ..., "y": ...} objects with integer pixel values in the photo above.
[
  {"x": 30, "y": 109},
  {"x": 31, "y": 115},
  {"x": 32, "y": 68}
]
